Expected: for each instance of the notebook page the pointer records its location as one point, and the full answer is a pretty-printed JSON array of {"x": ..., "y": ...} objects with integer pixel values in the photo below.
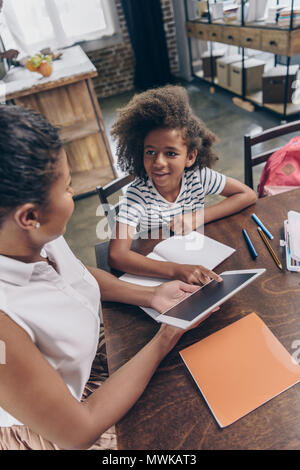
[{"x": 194, "y": 248}]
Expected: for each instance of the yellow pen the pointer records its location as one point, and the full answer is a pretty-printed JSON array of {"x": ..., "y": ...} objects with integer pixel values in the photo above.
[{"x": 271, "y": 251}]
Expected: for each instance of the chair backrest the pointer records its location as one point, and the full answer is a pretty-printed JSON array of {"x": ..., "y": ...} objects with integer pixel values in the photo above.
[
  {"x": 269, "y": 134},
  {"x": 105, "y": 191},
  {"x": 101, "y": 252}
]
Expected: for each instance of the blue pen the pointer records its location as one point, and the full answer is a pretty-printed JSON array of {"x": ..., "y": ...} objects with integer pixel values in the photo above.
[
  {"x": 256, "y": 219},
  {"x": 249, "y": 244}
]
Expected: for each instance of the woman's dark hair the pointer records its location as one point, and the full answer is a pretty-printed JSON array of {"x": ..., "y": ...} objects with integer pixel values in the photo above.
[
  {"x": 29, "y": 147},
  {"x": 167, "y": 107}
]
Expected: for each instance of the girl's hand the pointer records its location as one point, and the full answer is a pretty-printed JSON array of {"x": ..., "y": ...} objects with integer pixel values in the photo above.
[
  {"x": 194, "y": 274},
  {"x": 169, "y": 294},
  {"x": 182, "y": 224},
  {"x": 187, "y": 222}
]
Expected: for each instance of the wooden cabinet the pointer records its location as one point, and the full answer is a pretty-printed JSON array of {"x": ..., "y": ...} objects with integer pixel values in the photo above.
[
  {"x": 190, "y": 29},
  {"x": 294, "y": 46},
  {"x": 250, "y": 38},
  {"x": 201, "y": 32},
  {"x": 67, "y": 99},
  {"x": 230, "y": 35},
  {"x": 275, "y": 41},
  {"x": 215, "y": 34}
]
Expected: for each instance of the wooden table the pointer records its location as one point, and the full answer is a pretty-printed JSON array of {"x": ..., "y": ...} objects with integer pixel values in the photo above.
[
  {"x": 172, "y": 414},
  {"x": 67, "y": 99}
]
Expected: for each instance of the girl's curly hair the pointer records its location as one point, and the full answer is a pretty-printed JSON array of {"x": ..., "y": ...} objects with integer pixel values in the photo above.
[{"x": 166, "y": 107}]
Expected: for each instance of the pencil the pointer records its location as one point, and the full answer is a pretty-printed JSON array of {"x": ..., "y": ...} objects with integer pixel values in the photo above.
[{"x": 271, "y": 251}]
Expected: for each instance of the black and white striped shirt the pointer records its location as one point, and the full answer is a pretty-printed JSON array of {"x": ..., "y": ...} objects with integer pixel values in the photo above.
[{"x": 143, "y": 205}]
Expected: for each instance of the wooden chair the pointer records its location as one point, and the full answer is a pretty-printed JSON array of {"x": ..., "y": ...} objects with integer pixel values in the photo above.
[
  {"x": 101, "y": 253},
  {"x": 105, "y": 191},
  {"x": 101, "y": 249},
  {"x": 249, "y": 141}
]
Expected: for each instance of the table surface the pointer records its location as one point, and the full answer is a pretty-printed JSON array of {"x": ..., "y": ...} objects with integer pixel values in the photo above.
[
  {"x": 172, "y": 414},
  {"x": 74, "y": 65}
]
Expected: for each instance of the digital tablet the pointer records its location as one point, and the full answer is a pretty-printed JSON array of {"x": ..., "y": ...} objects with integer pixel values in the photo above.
[{"x": 199, "y": 304}]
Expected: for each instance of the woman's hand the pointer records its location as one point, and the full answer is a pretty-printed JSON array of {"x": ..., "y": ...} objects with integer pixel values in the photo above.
[
  {"x": 194, "y": 274},
  {"x": 171, "y": 293}
]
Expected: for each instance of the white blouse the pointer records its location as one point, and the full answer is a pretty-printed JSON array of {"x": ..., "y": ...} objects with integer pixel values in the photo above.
[{"x": 59, "y": 310}]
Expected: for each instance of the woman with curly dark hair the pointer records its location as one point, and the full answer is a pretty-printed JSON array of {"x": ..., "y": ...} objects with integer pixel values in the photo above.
[{"x": 170, "y": 152}]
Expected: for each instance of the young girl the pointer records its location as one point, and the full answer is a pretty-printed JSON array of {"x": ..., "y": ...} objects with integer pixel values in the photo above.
[
  {"x": 169, "y": 150},
  {"x": 49, "y": 303}
]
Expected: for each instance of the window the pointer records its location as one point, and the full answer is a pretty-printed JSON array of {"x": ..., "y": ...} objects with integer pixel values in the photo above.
[{"x": 34, "y": 24}]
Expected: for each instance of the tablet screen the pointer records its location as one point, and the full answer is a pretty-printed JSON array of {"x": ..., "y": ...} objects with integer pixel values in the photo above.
[{"x": 208, "y": 296}]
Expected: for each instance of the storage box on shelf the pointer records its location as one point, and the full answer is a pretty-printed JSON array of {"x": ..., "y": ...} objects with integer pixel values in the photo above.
[
  {"x": 254, "y": 70},
  {"x": 209, "y": 62},
  {"x": 223, "y": 70},
  {"x": 274, "y": 81}
]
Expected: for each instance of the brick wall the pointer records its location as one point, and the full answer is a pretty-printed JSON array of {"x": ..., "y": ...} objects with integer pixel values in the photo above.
[
  {"x": 170, "y": 31},
  {"x": 115, "y": 64}
]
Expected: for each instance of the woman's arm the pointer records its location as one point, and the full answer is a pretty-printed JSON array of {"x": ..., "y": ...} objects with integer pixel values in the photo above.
[
  {"x": 33, "y": 392},
  {"x": 123, "y": 258},
  {"x": 238, "y": 196}
]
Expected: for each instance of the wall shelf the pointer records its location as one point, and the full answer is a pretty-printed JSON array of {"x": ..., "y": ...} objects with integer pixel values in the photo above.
[
  {"x": 276, "y": 41},
  {"x": 257, "y": 36}
]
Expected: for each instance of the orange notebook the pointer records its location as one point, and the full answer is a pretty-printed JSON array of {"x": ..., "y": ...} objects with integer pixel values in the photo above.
[{"x": 240, "y": 368}]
